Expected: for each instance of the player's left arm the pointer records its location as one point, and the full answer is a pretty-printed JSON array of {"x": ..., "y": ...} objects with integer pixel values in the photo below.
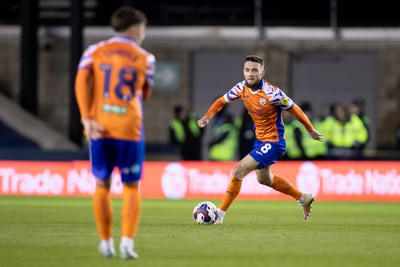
[
  {"x": 147, "y": 91},
  {"x": 302, "y": 117},
  {"x": 281, "y": 99},
  {"x": 150, "y": 71}
]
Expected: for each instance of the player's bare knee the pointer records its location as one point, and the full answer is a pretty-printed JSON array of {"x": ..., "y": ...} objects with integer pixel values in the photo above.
[
  {"x": 238, "y": 171},
  {"x": 264, "y": 181},
  {"x": 103, "y": 183}
]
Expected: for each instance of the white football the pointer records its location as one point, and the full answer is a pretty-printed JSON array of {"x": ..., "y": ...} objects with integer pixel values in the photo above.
[{"x": 205, "y": 213}]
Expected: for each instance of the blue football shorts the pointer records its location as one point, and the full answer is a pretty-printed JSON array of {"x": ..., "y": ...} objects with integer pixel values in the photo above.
[
  {"x": 107, "y": 153},
  {"x": 266, "y": 153}
]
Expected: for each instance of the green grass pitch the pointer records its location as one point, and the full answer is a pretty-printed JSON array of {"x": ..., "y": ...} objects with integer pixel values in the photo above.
[{"x": 58, "y": 232}]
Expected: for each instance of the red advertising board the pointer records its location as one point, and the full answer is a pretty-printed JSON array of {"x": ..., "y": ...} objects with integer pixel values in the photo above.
[{"x": 328, "y": 180}]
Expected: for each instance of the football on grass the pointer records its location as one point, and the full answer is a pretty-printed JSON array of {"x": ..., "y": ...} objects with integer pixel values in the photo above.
[{"x": 205, "y": 213}]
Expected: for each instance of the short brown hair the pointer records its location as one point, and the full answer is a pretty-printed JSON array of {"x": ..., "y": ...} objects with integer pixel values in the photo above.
[
  {"x": 126, "y": 16},
  {"x": 254, "y": 58}
]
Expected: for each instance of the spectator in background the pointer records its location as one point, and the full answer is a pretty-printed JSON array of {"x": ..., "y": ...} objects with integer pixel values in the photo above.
[
  {"x": 345, "y": 134},
  {"x": 224, "y": 140},
  {"x": 326, "y": 119},
  {"x": 176, "y": 128},
  {"x": 185, "y": 135},
  {"x": 300, "y": 145},
  {"x": 292, "y": 150},
  {"x": 246, "y": 134},
  {"x": 357, "y": 107}
]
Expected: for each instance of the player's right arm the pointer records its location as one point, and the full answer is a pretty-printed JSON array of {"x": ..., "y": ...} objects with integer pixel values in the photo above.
[
  {"x": 214, "y": 109},
  {"x": 82, "y": 92},
  {"x": 233, "y": 94},
  {"x": 92, "y": 128}
]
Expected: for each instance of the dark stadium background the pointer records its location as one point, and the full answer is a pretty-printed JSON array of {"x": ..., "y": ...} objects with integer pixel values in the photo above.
[
  {"x": 218, "y": 12},
  {"x": 48, "y": 14}
]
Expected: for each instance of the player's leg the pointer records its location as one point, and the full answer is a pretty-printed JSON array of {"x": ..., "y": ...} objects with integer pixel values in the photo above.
[
  {"x": 266, "y": 153},
  {"x": 305, "y": 201},
  {"x": 131, "y": 210},
  {"x": 103, "y": 214},
  {"x": 130, "y": 160},
  {"x": 102, "y": 169},
  {"x": 244, "y": 167},
  {"x": 281, "y": 184}
]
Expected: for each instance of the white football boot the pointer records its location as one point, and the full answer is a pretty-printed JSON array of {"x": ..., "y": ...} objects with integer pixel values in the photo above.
[
  {"x": 126, "y": 249},
  {"x": 106, "y": 248},
  {"x": 221, "y": 215},
  {"x": 306, "y": 201}
]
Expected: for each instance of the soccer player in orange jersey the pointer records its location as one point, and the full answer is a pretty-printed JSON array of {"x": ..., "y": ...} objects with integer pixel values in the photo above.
[
  {"x": 265, "y": 104},
  {"x": 114, "y": 77}
]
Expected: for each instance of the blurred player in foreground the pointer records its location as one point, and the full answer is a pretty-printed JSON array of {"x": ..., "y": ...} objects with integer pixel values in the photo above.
[
  {"x": 114, "y": 77},
  {"x": 265, "y": 104}
]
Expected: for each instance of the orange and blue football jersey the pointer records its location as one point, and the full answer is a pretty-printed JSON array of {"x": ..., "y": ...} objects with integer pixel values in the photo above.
[
  {"x": 265, "y": 107},
  {"x": 123, "y": 74}
]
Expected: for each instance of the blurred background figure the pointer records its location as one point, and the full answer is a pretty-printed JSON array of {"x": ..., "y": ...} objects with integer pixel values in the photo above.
[
  {"x": 345, "y": 134},
  {"x": 357, "y": 107},
  {"x": 194, "y": 137},
  {"x": 34, "y": 60},
  {"x": 185, "y": 135},
  {"x": 292, "y": 151},
  {"x": 299, "y": 143},
  {"x": 246, "y": 135},
  {"x": 176, "y": 129},
  {"x": 224, "y": 140}
]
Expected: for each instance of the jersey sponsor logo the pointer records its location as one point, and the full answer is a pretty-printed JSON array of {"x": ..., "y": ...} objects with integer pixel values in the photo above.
[
  {"x": 263, "y": 101},
  {"x": 114, "y": 109},
  {"x": 285, "y": 101}
]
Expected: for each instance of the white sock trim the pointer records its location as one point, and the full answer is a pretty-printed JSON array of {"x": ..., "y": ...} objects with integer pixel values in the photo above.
[
  {"x": 107, "y": 243},
  {"x": 221, "y": 213},
  {"x": 110, "y": 243},
  {"x": 127, "y": 242},
  {"x": 104, "y": 243}
]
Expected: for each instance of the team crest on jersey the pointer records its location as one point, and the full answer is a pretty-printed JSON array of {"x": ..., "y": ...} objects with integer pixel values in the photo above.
[{"x": 263, "y": 101}]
